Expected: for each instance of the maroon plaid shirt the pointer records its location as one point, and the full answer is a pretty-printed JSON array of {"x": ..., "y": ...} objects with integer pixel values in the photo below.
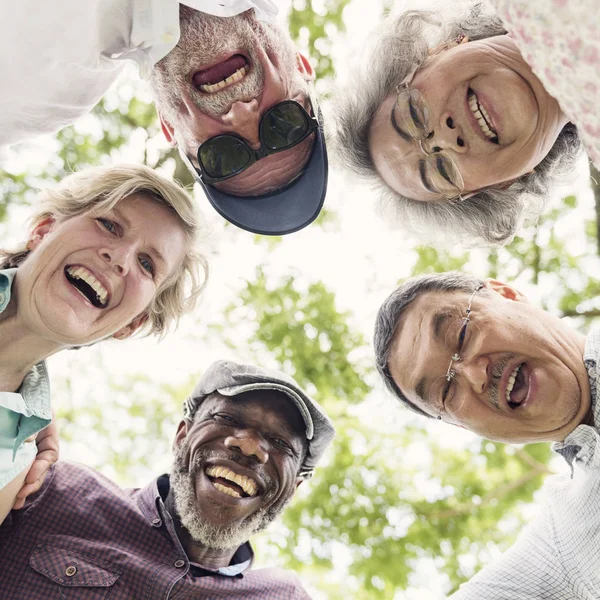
[{"x": 81, "y": 537}]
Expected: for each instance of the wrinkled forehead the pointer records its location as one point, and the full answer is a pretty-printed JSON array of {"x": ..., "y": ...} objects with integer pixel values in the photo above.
[
  {"x": 418, "y": 339},
  {"x": 268, "y": 408},
  {"x": 270, "y": 173}
]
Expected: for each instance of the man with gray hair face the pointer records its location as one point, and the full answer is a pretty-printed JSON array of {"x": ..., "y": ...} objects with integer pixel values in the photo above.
[
  {"x": 476, "y": 354},
  {"x": 231, "y": 90},
  {"x": 249, "y": 438}
]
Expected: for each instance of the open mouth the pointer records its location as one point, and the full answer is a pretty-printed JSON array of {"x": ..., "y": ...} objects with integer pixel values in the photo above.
[
  {"x": 482, "y": 117},
  {"x": 230, "y": 483},
  {"x": 84, "y": 281},
  {"x": 223, "y": 75},
  {"x": 517, "y": 386}
]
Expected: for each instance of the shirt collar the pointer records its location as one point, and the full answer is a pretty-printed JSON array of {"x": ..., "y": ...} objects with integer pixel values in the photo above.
[
  {"x": 7, "y": 277},
  {"x": 581, "y": 444},
  {"x": 35, "y": 389},
  {"x": 151, "y": 499}
]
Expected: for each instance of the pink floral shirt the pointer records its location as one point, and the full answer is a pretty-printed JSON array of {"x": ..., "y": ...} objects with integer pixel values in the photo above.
[{"x": 560, "y": 40}]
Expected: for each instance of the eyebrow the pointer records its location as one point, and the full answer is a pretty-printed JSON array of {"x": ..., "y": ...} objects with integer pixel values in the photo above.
[{"x": 154, "y": 251}]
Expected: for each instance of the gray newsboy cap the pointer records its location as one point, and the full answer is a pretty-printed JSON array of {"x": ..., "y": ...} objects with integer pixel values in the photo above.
[{"x": 230, "y": 379}]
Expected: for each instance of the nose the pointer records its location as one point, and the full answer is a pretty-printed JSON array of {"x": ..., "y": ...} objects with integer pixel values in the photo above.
[
  {"x": 475, "y": 371},
  {"x": 250, "y": 443},
  {"x": 447, "y": 136},
  {"x": 243, "y": 119},
  {"x": 119, "y": 257}
]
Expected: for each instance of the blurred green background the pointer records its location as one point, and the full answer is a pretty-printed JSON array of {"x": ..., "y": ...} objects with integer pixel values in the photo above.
[{"x": 401, "y": 508}]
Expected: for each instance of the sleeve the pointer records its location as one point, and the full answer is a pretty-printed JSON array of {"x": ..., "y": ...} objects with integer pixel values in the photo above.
[
  {"x": 528, "y": 570},
  {"x": 14, "y": 456},
  {"x": 18, "y": 421}
]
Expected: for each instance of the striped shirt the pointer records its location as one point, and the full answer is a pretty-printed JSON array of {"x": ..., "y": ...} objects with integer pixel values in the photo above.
[{"x": 558, "y": 556}]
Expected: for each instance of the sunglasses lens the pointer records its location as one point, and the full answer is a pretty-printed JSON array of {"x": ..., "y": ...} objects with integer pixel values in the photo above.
[
  {"x": 283, "y": 126},
  {"x": 223, "y": 156}
]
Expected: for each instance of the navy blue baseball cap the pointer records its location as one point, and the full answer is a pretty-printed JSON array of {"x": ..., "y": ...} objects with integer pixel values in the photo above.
[{"x": 287, "y": 209}]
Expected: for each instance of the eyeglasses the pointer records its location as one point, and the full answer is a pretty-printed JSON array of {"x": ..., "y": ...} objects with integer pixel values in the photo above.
[
  {"x": 411, "y": 114},
  {"x": 459, "y": 341},
  {"x": 283, "y": 126}
]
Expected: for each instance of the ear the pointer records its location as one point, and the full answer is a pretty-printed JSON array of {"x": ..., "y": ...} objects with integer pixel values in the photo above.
[
  {"x": 130, "y": 328},
  {"x": 167, "y": 130},
  {"x": 182, "y": 431},
  {"x": 460, "y": 39},
  {"x": 505, "y": 290},
  {"x": 304, "y": 67},
  {"x": 40, "y": 231}
]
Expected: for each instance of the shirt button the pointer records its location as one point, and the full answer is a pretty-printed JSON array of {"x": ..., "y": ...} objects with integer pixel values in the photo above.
[
  {"x": 70, "y": 571},
  {"x": 167, "y": 38},
  {"x": 156, "y": 522},
  {"x": 179, "y": 563}
]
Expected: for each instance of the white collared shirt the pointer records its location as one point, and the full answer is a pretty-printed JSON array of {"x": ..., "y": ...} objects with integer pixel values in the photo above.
[
  {"x": 59, "y": 57},
  {"x": 558, "y": 556}
]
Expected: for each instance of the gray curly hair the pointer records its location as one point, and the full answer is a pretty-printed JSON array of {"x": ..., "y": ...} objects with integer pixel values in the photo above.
[{"x": 400, "y": 44}]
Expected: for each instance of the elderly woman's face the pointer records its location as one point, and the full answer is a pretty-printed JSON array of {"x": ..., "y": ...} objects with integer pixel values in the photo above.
[
  {"x": 488, "y": 112},
  {"x": 93, "y": 275}
]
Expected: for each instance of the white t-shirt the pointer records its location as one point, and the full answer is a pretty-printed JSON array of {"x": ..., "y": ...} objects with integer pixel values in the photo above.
[{"x": 59, "y": 57}]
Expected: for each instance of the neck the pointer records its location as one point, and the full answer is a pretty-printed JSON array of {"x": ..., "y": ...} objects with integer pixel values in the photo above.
[
  {"x": 209, "y": 558},
  {"x": 21, "y": 348}
]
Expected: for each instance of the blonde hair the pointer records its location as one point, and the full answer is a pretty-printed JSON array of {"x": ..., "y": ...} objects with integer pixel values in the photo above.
[{"x": 98, "y": 190}]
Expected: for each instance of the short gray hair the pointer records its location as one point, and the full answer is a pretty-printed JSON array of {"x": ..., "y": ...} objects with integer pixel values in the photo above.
[
  {"x": 392, "y": 310},
  {"x": 401, "y": 44}
]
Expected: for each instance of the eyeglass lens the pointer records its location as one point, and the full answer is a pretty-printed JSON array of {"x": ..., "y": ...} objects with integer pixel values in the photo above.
[
  {"x": 412, "y": 115},
  {"x": 281, "y": 127},
  {"x": 224, "y": 155}
]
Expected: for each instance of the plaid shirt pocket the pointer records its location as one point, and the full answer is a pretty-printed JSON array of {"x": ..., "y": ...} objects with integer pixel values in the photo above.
[{"x": 60, "y": 572}]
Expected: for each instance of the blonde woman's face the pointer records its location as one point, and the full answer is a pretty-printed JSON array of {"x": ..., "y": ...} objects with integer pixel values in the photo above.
[{"x": 94, "y": 275}]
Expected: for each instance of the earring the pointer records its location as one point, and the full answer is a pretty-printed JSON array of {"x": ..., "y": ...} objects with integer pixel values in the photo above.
[
  {"x": 460, "y": 38},
  {"x": 439, "y": 418}
]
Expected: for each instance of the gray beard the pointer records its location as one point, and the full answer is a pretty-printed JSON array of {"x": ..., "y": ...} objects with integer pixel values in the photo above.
[
  {"x": 204, "y": 37},
  {"x": 218, "y": 537}
]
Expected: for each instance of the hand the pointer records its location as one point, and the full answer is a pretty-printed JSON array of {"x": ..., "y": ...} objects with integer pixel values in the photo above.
[{"x": 47, "y": 455}]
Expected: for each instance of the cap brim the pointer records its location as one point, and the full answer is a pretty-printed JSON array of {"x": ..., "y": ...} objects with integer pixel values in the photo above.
[
  {"x": 284, "y": 211},
  {"x": 296, "y": 399}
]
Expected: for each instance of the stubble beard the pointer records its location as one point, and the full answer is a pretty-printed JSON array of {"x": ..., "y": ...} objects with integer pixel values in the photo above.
[
  {"x": 205, "y": 37},
  {"x": 202, "y": 531}
]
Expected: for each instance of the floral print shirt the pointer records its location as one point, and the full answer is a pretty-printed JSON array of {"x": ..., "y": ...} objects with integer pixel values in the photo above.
[{"x": 560, "y": 40}]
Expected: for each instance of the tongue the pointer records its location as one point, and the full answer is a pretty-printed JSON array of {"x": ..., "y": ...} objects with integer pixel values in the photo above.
[
  {"x": 519, "y": 391},
  {"x": 221, "y": 71}
]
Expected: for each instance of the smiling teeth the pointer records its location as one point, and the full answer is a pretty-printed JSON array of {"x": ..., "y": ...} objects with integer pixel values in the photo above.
[
  {"x": 244, "y": 482},
  {"x": 511, "y": 382},
  {"x": 215, "y": 87},
  {"x": 482, "y": 117},
  {"x": 87, "y": 276}
]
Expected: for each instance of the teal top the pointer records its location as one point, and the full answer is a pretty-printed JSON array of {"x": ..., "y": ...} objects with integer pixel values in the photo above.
[{"x": 24, "y": 412}]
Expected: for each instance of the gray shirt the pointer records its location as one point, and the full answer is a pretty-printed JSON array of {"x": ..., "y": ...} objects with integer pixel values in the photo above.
[{"x": 558, "y": 556}]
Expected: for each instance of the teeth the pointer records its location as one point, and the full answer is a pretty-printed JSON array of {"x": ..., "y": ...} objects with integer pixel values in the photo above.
[
  {"x": 511, "y": 382},
  {"x": 215, "y": 87},
  {"x": 244, "y": 482},
  {"x": 87, "y": 276},
  {"x": 482, "y": 116},
  {"x": 226, "y": 490}
]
